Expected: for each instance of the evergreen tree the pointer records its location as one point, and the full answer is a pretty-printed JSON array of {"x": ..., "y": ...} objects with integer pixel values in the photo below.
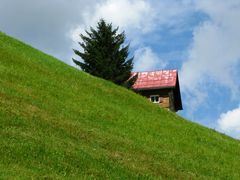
[{"x": 104, "y": 54}]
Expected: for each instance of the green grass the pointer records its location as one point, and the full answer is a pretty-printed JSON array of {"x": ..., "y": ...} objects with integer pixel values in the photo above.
[{"x": 58, "y": 122}]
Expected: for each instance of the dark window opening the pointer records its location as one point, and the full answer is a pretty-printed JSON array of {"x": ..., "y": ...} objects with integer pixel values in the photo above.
[{"x": 155, "y": 98}]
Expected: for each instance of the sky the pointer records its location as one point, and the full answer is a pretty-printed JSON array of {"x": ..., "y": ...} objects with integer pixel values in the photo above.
[{"x": 200, "y": 38}]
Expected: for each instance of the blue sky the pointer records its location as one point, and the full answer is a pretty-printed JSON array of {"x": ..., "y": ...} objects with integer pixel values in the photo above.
[{"x": 199, "y": 38}]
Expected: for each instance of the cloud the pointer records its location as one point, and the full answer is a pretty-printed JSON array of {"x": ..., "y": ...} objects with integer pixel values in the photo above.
[
  {"x": 139, "y": 19},
  {"x": 43, "y": 24},
  {"x": 147, "y": 60},
  {"x": 52, "y": 25},
  {"x": 126, "y": 13},
  {"x": 214, "y": 55},
  {"x": 129, "y": 15},
  {"x": 229, "y": 122}
]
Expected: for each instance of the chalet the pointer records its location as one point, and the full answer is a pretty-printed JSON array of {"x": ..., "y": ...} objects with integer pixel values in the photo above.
[{"x": 160, "y": 87}]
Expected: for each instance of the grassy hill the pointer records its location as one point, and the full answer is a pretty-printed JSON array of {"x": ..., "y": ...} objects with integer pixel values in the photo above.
[{"x": 56, "y": 122}]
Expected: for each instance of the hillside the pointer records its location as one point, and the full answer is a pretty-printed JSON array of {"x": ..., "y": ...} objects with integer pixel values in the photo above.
[{"x": 56, "y": 122}]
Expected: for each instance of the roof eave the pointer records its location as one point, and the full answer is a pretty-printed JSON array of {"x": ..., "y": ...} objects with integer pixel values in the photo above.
[{"x": 153, "y": 88}]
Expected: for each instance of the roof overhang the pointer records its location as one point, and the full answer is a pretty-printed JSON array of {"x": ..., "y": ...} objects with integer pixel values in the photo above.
[{"x": 154, "y": 88}]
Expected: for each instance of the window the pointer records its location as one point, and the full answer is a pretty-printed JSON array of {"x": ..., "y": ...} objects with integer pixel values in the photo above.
[{"x": 155, "y": 98}]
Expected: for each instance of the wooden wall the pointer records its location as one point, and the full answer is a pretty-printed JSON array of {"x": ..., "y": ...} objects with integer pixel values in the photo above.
[
  {"x": 166, "y": 97},
  {"x": 164, "y": 102}
]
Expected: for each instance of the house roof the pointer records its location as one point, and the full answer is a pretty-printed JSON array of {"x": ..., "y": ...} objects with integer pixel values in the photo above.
[{"x": 155, "y": 79}]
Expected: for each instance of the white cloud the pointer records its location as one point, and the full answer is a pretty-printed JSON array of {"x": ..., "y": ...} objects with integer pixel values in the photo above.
[
  {"x": 229, "y": 122},
  {"x": 43, "y": 24},
  {"x": 137, "y": 18},
  {"x": 52, "y": 25},
  {"x": 129, "y": 15},
  {"x": 126, "y": 13},
  {"x": 215, "y": 51},
  {"x": 147, "y": 60}
]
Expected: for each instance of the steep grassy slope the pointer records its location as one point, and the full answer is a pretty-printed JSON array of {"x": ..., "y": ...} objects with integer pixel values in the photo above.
[{"x": 56, "y": 121}]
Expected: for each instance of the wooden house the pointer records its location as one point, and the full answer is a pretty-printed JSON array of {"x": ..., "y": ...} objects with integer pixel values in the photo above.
[{"x": 160, "y": 87}]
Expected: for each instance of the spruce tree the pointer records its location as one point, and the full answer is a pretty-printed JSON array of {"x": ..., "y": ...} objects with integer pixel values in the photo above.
[{"x": 104, "y": 54}]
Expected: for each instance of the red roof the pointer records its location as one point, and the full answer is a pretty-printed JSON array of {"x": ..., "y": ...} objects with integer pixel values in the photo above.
[{"x": 155, "y": 79}]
